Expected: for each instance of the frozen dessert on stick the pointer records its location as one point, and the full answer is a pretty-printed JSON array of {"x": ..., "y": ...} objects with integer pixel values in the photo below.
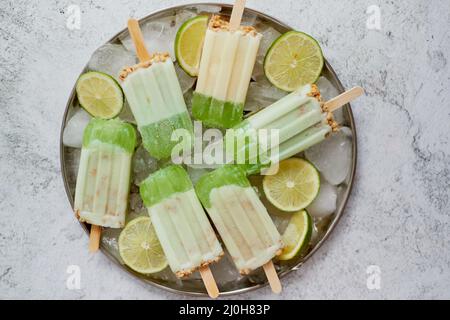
[
  {"x": 320, "y": 131},
  {"x": 103, "y": 181},
  {"x": 183, "y": 229},
  {"x": 233, "y": 205},
  {"x": 155, "y": 97},
  {"x": 242, "y": 221},
  {"x": 228, "y": 57},
  {"x": 301, "y": 118}
]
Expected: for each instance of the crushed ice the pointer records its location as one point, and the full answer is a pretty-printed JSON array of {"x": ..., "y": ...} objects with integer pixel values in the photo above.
[
  {"x": 73, "y": 132},
  {"x": 333, "y": 157}
]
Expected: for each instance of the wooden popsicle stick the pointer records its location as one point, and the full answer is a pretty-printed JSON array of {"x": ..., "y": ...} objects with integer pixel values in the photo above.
[
  {"x": 138, "y": 40},
  {"x": 236, "y": 15},
  {"x": 210, "y": 283},
  {"x": 342, "y": 99},
  {"x": 272, "y": 276},
  {"x": 94, "y": 238}
]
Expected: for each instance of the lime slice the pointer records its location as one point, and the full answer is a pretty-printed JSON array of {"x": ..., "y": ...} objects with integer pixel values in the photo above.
[
  {"x": 100, "y": 95},
  {"x": 297, "y": 235},
  {"x": 293, "y": 60},
  {"x": 294, "y": 187},
  {"x": 189, "y": 44},
  {"x": 139, "y": 247}
]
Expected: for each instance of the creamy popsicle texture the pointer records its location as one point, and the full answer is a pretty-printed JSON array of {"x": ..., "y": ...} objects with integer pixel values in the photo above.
[
  {"x": 240, "y": 217},
  {"x": 225, "y": 71},
  {"x": 291, "y": 116},
  {"x": 156, "y": 100},
  {"x": 186, "y": 236},
  {"x": 103, "y": 181},
  {"x": 304, "y": 140}
]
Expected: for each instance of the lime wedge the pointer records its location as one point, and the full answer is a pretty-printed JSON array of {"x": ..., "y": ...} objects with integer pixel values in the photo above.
[
  {"x": 189, "y": 44},
  {"x": 293, "y": 60},
  {"x": 294, "y": 186},
  {"x": 100, "y": 95},
  {"x": 297, "y": 235},
  {"x": 139, "y": 247}
]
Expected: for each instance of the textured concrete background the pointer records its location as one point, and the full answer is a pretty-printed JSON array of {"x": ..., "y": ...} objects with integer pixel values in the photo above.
[{"x": 397, "y": 218}]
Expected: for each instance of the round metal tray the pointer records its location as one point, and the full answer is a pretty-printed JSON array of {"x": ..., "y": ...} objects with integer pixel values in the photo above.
[{"x": 194, "y": 287}]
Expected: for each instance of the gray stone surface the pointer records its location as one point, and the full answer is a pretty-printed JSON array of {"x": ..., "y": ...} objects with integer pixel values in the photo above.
[{"x": 397, "y": 217}]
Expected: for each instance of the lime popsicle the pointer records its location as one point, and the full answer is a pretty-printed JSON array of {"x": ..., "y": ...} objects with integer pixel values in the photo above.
[
  {"x": 155, "y": 97},
  {"x": 186, "y": 236},
  {"x": 289, "y": 116},
  {"x": 103, "y": 181},
  {"x": 319, "y": 131},
  {"x": 240, "y": 217},
  {"x": 226, "y": 66}
]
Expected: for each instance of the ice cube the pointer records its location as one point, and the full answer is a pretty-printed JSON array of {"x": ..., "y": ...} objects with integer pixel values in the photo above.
[
  {"x": 281, "y": 221},
  {"x": 168, "y": 276},
  {"x": 159, "y": 34},
  {"x": 333, "y": 157},
  {"x": 207, "y": 8},
  {"x": 73, "y": 132},
  {"x": 72, "y": 162},
  {"x": 111, "y": 59},
  {"x": 143, "y": 165},
  {"x": 315, "y": 236},
  {"x": 136, "y": 206},
  {"x": 269, "y": 36},
  {"x": 186, "y": 81},
  {"x": 196, "y": 173},
  {"x": 126, "y": 114},
  {"x": 321, "y": 227},
  {"x": 258, "y": 71},
  {"x": 181, "y": 16},
  {"x": 188, "y": 99},
  {"x": 110, "y": 238},
  {"x": 260, "y": 96},
  {"x": 249, "y": 19},
  {"x": 347, "y": 131},
  {"x": 329, "y": 91},
  {"x": 325, "y": 202},
  {"x": 225, "y": 271},
  {"x": 257, "y": 191}
]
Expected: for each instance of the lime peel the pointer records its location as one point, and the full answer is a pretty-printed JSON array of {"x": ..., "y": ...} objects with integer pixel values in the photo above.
[
  {"x": 293, "y": 60},
  {"x": 294, "y": 186},
  {"x": 139, "y": 247},
  {"x": 297, "y": 235},
  {"x": 100, "y": 95},
  {"x": 189, "y": 44}
]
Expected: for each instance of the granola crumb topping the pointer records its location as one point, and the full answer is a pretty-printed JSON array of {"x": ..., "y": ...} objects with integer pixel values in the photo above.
[
  {"x": 155, "y": 58},
  {"x": 245, "y": 272},
  {"x": 330, "y": 120},
  {"x": 188, "y": 272},
  {"x": 218, "y": 23},
  {"x": 315, "y": 93}
]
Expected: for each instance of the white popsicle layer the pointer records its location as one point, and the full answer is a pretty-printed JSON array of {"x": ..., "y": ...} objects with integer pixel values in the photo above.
[
  {"x": 103, "y": 182},
  {"x": 185, "y": 233},
  {"x": 245, "y": 226},
  {"x": 154, "y": 93},
  {"x": 227, "y": 64}
]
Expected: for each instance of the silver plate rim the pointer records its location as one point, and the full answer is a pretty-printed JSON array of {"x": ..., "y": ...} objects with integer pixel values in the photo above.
[{"x": 340, "y": 210}]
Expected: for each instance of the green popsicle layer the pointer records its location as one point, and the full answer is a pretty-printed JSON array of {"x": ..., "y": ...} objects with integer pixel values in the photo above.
[
  {"x": 224, "y": 176},
  {"x": 163, "y": 184},
  {"x": 115, "y": 132},
  {"x": 216, "y": 113},
  {"x": 157, "y": 137}
]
